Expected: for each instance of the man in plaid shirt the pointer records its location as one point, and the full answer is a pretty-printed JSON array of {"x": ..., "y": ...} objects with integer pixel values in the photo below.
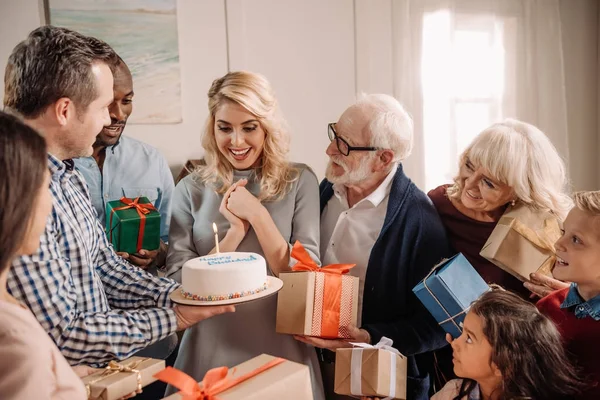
[{"x": 95, "y": 305}]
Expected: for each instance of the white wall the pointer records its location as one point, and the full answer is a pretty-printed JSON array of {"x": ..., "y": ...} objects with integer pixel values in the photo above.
[
  {"x": 17, "y": 19},
  {"x": 203, "y": 57},
  {"x": 306, "y": 50},
  {"x": 317, "y": 55},
  {"x": 580, "y": 33},
  {"x": 309, "y": 61},
  {"x": 597, "y": 149}
]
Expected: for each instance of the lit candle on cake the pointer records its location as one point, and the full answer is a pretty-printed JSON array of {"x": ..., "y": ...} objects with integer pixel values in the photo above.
[{"x": 216, "y": 237}]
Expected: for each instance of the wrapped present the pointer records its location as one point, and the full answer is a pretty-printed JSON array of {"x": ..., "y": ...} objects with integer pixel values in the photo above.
[
  {"x": 132, "y": 225},
  {"x": 317, "y": 301},
  {"x": 368, "y": 370},
  {"x": 523, "y": 242},
  {"x": 263, "y": 377},
  {"x": 448, "y": 291},
  {"x": 120, "y": 379}
]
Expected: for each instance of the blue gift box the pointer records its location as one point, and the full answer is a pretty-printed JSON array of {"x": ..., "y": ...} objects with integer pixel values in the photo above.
[{"x": 455, "y": 284}]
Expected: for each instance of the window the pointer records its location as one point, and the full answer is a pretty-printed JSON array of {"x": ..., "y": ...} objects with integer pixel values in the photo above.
[{"x": 464, "y": 80}]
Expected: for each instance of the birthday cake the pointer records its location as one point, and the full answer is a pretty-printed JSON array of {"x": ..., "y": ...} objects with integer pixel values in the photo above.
[{"x": 224, "y": 276}]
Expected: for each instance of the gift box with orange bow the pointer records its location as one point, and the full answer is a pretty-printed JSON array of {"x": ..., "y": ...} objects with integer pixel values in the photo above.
[
  {"x": 264, "y": 377},
  {"x": 133, "y": 224},
  {"x": 523, "y": 242},
  {"x": 120, "y": 379},
  {"x": 317, "y": 301}
]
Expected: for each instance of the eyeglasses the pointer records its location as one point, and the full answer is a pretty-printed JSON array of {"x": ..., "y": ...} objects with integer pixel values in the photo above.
[{"x": 343, "y": 146}]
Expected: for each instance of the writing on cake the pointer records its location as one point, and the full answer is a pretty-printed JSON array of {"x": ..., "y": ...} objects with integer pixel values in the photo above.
[{"x": 229, "y": 260}]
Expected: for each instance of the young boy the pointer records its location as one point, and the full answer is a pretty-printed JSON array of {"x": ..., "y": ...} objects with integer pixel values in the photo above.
[{"x": 576, "y": 310}]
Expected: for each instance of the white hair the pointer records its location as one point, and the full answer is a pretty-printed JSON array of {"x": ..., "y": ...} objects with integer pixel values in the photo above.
[
  {"x": 391, "y": 127},
  {"x": 521, "y": 156}
]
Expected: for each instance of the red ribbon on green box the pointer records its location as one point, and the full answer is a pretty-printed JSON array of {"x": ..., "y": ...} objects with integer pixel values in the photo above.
[{"x": 142, "y": 210}]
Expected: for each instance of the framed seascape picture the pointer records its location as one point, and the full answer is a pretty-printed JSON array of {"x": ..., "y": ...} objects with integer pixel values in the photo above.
[{"x": 144, "y": 34}]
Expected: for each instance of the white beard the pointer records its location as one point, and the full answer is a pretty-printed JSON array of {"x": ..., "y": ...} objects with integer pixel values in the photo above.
[{"x": 350, "y": 177}]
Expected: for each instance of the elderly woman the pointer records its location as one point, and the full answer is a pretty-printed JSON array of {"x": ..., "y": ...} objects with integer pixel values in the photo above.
[
  {"x": 263, "y": 202},
  {"x": 509, "y": 163}
]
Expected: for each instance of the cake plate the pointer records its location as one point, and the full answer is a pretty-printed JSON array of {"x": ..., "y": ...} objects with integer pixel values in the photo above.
[{"x": 274, "y": 286}]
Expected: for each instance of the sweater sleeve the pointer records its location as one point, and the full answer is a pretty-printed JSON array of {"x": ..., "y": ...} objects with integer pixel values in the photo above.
[
  {"x": 181, "y": 240},
  {"x": 305, "y": 222},
  {"x": 31, "y": 367},
  {"x": 415, "y": 331},
  {"x": 167, "y": 186},
  {"x": 29, "y": 373}
]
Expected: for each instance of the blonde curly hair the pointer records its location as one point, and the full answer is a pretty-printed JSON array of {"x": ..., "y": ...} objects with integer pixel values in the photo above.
[
  {"x": 520, "y": 155},
  {"x": 253, "y": 92}
]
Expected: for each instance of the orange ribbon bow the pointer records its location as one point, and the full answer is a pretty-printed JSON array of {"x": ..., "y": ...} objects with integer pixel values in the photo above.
[
  {"x": 215, "y": 381},
  {"x": 142, "y": 210},
  {"x": 332, "y": 288}
]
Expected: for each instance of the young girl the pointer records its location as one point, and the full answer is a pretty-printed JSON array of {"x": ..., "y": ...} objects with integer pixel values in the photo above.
[{"x": 508, "y": 350}]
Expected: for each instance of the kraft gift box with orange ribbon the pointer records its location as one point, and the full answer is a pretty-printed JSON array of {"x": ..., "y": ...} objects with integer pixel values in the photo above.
[
  {"x": 122, "y": 378},
  {"x": 523, "y": 242},
  {"x": 133, "y": 224},
  {"x": 448, "y": 291},
  {"x": 316, "y": 301},
  {"x": 367, "y": 370},
  {"x": 262, "y": 378}
]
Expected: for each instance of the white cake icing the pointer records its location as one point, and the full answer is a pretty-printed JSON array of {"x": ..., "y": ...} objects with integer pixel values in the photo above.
[{"x": 224, "y": 276}]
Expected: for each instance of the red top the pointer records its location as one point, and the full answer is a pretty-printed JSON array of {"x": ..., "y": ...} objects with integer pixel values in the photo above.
[
  {"x": 468, "y": 236},
  {"x": 580, "y": 336}
]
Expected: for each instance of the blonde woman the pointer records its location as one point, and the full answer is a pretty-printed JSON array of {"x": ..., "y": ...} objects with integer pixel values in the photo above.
[
  {"x": 508, "y": 163},
  {"x": 262, "y": 203}
]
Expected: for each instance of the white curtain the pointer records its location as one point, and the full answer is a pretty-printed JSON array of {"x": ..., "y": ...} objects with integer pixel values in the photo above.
[{"x": 461, "y": 65}]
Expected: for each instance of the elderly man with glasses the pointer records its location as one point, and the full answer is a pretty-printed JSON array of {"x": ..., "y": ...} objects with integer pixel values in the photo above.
[{"x": 374, "y": 216}]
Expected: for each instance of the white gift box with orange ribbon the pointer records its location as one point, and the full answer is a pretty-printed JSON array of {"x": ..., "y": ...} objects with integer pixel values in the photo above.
[
  {"x": 262, "y": 378},
  {"x": 316, "y": 301}
]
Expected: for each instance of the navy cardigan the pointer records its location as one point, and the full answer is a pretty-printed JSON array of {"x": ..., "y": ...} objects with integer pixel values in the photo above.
[{"x": 410, "y": 243}]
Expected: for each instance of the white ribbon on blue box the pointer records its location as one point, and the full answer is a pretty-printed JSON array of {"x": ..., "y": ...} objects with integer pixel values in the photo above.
[
  {"x": 448, "y": 291},
  {"x": 356, "y": 365}
]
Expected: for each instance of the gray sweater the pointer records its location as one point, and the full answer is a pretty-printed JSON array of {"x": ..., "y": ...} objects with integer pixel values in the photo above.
[{"x": 230, "y": 339}]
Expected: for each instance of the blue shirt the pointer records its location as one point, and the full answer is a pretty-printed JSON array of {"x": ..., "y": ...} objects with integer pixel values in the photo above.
[
  {"x": 131, "y": 169},
  {"x": 93, "y": 304},
  {"x": 582, "y": 308}
]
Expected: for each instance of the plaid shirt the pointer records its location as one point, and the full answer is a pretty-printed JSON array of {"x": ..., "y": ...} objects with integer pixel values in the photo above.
[{"x": 96, "y": 306}]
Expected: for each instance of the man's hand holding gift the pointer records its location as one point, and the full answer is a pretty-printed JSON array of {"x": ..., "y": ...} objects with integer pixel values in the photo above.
[
  {"x": 147, "y": 258},
  {"x": 357, "y": 336}
]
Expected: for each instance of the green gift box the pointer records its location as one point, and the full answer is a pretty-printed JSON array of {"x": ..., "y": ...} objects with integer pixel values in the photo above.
[{"x": 133, "y": 224}]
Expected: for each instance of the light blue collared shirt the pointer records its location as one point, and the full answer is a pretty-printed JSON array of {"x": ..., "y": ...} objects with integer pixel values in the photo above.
[
  {"x": 131, "y": 169},
  {"x": 590, "y": 308}
]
